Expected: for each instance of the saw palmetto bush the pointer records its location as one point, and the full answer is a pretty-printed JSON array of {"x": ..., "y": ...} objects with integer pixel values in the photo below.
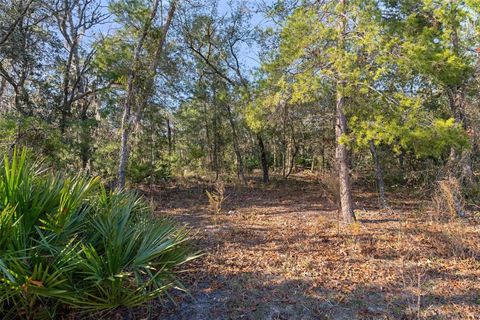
[{"x": 67, "y": 241}]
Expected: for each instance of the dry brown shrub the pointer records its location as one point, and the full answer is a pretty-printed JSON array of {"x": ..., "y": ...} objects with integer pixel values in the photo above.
[
  {"x": 456, "y": 239},
  {"x": 448, "y": 199},
  {"x": 216, "y": 197},
  {"x": 331, "y": 186},
  {"x": 251, "y": 183}
]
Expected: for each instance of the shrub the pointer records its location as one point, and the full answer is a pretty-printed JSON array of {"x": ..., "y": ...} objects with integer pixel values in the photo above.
[
  {"x": 66, "y": 240},
  {"x": 331, "y": 187},
  {"x": 216, "y": 197},
  {"x": 448, "y": 198}
]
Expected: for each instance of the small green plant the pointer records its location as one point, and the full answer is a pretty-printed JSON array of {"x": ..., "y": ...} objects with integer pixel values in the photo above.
[{"x": 66, "y": 240}]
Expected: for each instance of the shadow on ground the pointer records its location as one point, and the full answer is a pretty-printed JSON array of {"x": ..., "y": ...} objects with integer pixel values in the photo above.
[{"x": 279, "y": 253}]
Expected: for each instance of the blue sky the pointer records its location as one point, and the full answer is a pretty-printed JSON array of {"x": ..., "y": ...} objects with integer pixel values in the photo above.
[{"x": 249, "y": 54}]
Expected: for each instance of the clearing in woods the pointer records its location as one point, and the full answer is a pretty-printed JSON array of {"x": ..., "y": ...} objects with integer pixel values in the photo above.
[{"x": 277, "y": 252}]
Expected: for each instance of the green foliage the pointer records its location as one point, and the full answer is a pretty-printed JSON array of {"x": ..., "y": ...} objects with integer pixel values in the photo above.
[
  {"x": 252, "y": 163},
  {"x": 408, "y": 127},
  {"x": 437, "y": 139},
  {"x": 36, "y": 134},
  {"x": 161, "y": 170},
  {"x": 66, "y": 240},
  {"x": 113, "y": 57}
]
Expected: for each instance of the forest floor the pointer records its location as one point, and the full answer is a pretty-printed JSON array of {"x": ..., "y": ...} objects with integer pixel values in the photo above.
[{"x": 277, "y": 252}]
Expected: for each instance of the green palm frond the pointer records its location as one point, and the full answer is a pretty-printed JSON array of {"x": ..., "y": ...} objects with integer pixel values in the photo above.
[{"x": 68, "y": 240}]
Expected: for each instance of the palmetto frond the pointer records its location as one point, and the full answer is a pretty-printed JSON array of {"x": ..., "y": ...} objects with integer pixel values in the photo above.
[{"x": 68, "y": 240}]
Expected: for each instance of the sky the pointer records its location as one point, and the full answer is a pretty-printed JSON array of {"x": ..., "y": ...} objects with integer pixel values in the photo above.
[{"x": 249, "y": 55}]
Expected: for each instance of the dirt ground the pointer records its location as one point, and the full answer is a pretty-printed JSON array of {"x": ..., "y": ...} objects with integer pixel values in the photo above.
[{"x": 277, "y": 252}]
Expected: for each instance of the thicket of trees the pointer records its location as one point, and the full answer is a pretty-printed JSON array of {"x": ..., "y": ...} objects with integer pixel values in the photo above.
[{"x": 383, "y": 89}]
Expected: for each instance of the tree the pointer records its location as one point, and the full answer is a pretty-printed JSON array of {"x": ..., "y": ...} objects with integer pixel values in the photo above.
[
  {"x": 75, "y": 19},
  {"x": 436, "y": 41},
  {"x": 314, "y": 50},
  {"x": 132, "y": 82},
  {"x": 216, "y": 43}
]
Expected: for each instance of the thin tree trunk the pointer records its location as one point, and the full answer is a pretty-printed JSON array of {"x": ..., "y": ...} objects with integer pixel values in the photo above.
[
  {"x": 236, "y": 146},
  {"x": 460, "y": 162},
  {"x": 149, "y": 86},
  {"x": 346, "y": 203},
  {"x": 3, "y": 86},
  {"x": 378, "y": 174},
  {"x": 85, "y": 138},
  {"x": 210, "y": 146},
  {"x": 456, "y": 94},
  {"x": 84, "y": 105},
  {"x": 169, "y": 136},
  {"x": 215, "y": 151},
  {"x": 284, "y": 143},
  {"x": 263, "y": 159},
  {"x": 274, "y": 157},
  {"x": 130, "y": 99},
  {"x": 292, "y": 157},
  {"x": 323, "y": 154}
]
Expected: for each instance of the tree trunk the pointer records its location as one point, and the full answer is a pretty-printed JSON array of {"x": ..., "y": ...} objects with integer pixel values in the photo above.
[
  {"x": 216, "y": 143},
  {"x": 130, "y": 99},
  {"x": 284, "y": 142},
  {"x": 3, "y": 86},
  {"x": 323, "y": 154},
  {"x": 293, "y": 155},
  {"x": 210, "y": 146},
  {"x": 169, "y": 136},
  {"x": 85, "y": 137},
  {"x": 462, "y": 162},
  {"x": 263, "y": 159},
  {"x": 150, "y": 83},
  {"x": 346, "y": 203},
  {"x": 236, "y": 146},
  {"x": 122, "y": 166},
  {"x": 274, "y": 157},
  {"x": 378, "y": 174}
]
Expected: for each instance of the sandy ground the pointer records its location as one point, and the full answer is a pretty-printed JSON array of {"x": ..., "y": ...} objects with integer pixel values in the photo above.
[{"x": 277, "y": 252}]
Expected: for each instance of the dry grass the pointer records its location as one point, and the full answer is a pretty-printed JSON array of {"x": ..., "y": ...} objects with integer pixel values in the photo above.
[
  {"x": 448, "y": 199},
  {"x": 279, "y": 253},
  {"x": 216, "y": 197}
]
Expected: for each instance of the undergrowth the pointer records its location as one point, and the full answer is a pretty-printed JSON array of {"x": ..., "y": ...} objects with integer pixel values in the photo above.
[{"x": 68, "y": 242}]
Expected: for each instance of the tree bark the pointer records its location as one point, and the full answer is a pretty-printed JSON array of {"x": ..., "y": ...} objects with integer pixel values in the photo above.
[
  {"x": 150, "y": 83},
  {"x": 216, "y": 143},
  {"x": 130, "y": 99},
  {"x": 236, "y": 146},
  {"x": 378, "y": 175},
  {"x": 293, "y": 155},
  {"x": 263, "y": 159},
  {"x": 460, "y": 161},
  {"x": 169, "y": 136},
  {"x": 216, "y": 162},
  {"x": 346, "y": 203},
  {"x": 274, "y": 157},
  {"x": 456, "y": 95},
  {"x": 284, "y": 142}
]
